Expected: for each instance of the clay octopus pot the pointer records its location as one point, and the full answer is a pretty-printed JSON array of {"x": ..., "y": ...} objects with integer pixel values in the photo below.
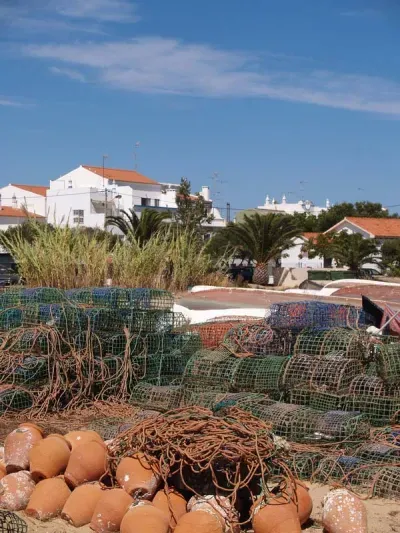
[
  {"x": 49, "y": 457},
  {"x": 199, "y": 522},
  {"x": 81, "y": 504},
  {"x": 135, "y": 475},
  {"x": 76, "y": 438},
  {"x": 343, "y": 512},
  {"x": 220, "y": 506},
  {"x": 110, "y": 510},
  {"x": 48, "y": 498},
  {"x": 277, "y": 515},
  {"x": 87, "y": 462},
  {"x": 144, "y": 517},
  {"x": 16, "y": 490},
  {"x": 172, "y": 504},
  {"x": 18, "y": 445},
  {"x": 304, "y": 502}
]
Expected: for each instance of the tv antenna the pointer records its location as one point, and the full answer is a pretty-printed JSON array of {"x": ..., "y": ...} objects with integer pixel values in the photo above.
[
  {"x": 302, "y": 183},
  {"x": 135, "y": 154},
  {"x": 216, "y": 184}
]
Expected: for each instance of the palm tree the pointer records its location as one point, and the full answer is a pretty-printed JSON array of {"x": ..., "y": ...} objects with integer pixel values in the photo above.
[
  {"x": 353, "y": 251},
  {"x": 262, "y": 237},
  {"x": 140, "y": 229}
]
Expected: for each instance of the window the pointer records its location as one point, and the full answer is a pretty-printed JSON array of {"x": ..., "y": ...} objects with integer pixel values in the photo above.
[
  {"x": 145, "y": 202},
  {"x": 156, "y": 203},
  {"x": 78, "y": 216}
]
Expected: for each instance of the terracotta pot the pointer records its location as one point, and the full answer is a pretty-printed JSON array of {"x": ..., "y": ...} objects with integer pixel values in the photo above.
[
  {"x": 343, "y": 512},
  {"x": 110, "y": 510},
  {"x": 48, "y": 499},
  {"x": 199, "y": 522},
  {"x": 220, "y": 506},
  {"x": 15, "y": 490},
  {"x": 49, "y": 457},
  {"x": 144, "y": 517},
  {"x": 87, "y": 462},
  {"x": 304, "y": 502},
  {"x": 18, "y": 445},
  {"x": 76, "y": 438},
  {"x": 81, "y": 504},
  {"x": 278, "y": 515},
  {"x": 172, "y": 504},
  {"x": 135, "y": 475}
]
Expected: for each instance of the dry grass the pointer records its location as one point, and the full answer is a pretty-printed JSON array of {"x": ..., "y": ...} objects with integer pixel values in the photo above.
[{"x": 67, "y": 258}]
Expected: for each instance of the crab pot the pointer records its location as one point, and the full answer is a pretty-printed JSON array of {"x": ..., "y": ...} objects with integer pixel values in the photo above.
[
  {"x": 298, "y": 371},
  {"x": 342, "y": 425},
  {"x": 155, "y": 397},
  {"x": 387, "y": 483},
  {"x": 379, "y": 410},
  {"x": 388, "y": 363},
  {"x": 326, "y": 401},
  {"x": 210, "y": 369},
  {"x": 334, "y": 373}
]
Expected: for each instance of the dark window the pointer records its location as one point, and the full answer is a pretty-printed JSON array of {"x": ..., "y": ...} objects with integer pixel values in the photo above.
[
  {"x": 145, "y": 202},
  {"x": 156, "y": 203},
  {"x": 78, "y": 216}
]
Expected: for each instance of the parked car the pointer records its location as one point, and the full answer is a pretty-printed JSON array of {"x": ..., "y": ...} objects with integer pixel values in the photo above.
[{"x": 9, "y": 275}]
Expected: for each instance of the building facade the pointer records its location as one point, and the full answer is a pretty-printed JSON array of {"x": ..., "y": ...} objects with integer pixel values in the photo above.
[{"x": 287, "y": 208}]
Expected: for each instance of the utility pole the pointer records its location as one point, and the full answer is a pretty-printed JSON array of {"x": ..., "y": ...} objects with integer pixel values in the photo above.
[
  {"x": 135, "y": 155},
  {"x": 228, "y": 212}
]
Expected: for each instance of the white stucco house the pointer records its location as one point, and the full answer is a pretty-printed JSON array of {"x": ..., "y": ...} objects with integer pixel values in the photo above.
[
  {"x": 285, "y": 207},
  {"x": 87, "y": 194},
  {"x": 30, "y": 197},
  {"x": 13, "y": 216},
  {"x": 297, "y": 258},
  {"x": 370, "y": 228}
]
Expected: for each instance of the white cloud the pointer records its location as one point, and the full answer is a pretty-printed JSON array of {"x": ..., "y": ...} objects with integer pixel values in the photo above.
[
  {"x": 156, "y": 65},
  {"x": 69, "y": 73},
  {"x": 100, "y": 10},
  {"x": 10, "y": 103}
]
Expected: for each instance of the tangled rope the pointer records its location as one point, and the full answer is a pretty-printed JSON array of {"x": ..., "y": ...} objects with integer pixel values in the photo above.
[{"x": 207, "y": 454}]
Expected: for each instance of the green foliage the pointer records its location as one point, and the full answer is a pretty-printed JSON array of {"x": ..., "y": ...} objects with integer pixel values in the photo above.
[
  {"x": 139, "y": 229},
  {"x": 391, "y": 256},
  {"x": 305, "y": 221},
  {"x": 260, "y": 237},
  {"x": 192, "y": 210},
  {"x": 348, "y": 250},
  {"x": 26, "y": 231}
]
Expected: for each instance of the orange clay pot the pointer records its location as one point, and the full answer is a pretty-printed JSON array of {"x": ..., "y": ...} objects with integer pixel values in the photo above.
[
  {"x": 199, "y": 522},
  {"x": 143, "y": 517},
  {"x": 135, "y": 475},
  {"x": 275, "y": 516},
  {"x": 15, "y": 490},
  {"x": 87, "y": 462},
  {"x": 220, "y": 506},
  {"x": 172, "y": 504},
  {"x": 304, "y": 502},
  {"x": 81, "y": 504},
  {"x": 48, "y": 499},
  {"x": 110, "y": 510},
  {"x": 18, "y": 445},
  {"x": 49, "y": 457},
  {"x": 344, "y": 513},
  {"x": 76, "y": 438}
]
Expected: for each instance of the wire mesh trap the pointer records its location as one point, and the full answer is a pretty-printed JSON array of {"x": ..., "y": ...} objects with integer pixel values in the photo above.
[
  {"x": 12, "y": 523},
  {"x": 258, "y": 374},
  {"x": 334, "y": 373},
  {"x": 258, "y": 339},
  {"x": 210, "y": 369},
  {"x": 13, "y": 398},
  {"x": 375, "y": 452},
  {"x": 379, "y": 410},
  {"x": 212, "y": 334},
  {"x": 365, "y": 385},
  {"x": 326, "y": 401},
  {"x": 348, "y": 343},
  {"x": 298, "y": 371},
  {"x": 388, "y": 363},
  {"x": 306, "y": 314},
  {"x": 341, "y": 425},
  {"x": 156, "y": 397},
  {"x": 116, "y": 297},
  {"x": 387, "y": 483}
]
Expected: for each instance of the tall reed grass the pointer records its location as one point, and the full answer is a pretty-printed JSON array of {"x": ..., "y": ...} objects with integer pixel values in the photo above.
[{"x": 66, "y": 258}]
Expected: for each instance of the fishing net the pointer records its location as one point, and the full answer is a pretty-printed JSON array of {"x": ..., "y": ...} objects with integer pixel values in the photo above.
[
  {"x": 206, "y": 398},
  {"x": 160, "y": 369},
  {"x": 304, "y": 464},
  {"x": 12, "y": 523},
  {"x": 259, "y": 340},
  {"x": 13, "y": 398},
  {"x": 10, "y": 318},
  {"x": 212, "y": 334},
  {"x": 375, "y": 452},
  {"x": 27, "y": 371},
  {"x": 259, "y": 374},
  {"x": 162, "y": 398},
  {"x": 306, "y": 314},
  {"x": 300, "y": 396},
  {"x": 22, "y": 296},
  {"x": 108, "y": 428}
]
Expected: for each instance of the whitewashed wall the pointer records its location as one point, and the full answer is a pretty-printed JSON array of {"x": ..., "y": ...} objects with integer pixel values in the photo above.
[{"x": 34, "y": 203}]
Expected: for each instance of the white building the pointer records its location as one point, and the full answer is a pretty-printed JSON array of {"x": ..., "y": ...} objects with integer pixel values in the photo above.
[
  {"x": 87, "y": 194},
  {"x": 284, "y": 207},
  {"x": 296, "y": 257},
  {"x": 29, "y": 197},
  {"x": 14, "y": 216}
]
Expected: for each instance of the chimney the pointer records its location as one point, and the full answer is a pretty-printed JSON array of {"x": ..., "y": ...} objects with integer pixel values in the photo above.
[
  {"x": 328, "y": 204},
  {"x": 284, "y": 199},
  {"x": 267, "y": 200},
  {"x": 205, "y": 193}
]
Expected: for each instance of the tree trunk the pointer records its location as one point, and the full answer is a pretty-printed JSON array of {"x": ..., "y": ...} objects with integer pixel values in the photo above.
[{"x": 261, "y": 274}]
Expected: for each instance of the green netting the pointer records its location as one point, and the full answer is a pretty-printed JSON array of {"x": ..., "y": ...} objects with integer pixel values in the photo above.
[
  {"x": 27, "y": 340},
  {"x": 309, "y": 342},
  {"x": 13, "y": 297},
  {"x": 210, "y": 369},
  {"x": 300, "y": 396},
  {"x": 334, "y": 373},
  {"x": 10, "y": 319},
  {"x": 349, "y": 343},
  {"x": 341, "y": 425},
  {"x": 13, "y": 398},
  {"x": 379, "y": 410},
  {"x": 375, "y": 452},
  {"x": 258, "y": 340},
  {"x": 387, "y": 483},
  {"x": 304, "y": 464},
  {"x": 31, "y": 371},
  {"x": 156, "y": 397},
  {"x": 325, "y": 401},
  {"x": 365, "y": 385},
  {"x": 259, "y": 374},
  {"x": 160, "y": 369},
  {"x": 107, "y": 428},
  {"x": 388, "y": 363},
  {"x": 206, "y": 398},
  {"x": 117, "y": 297},
  {"x": 298, "y": 371}
]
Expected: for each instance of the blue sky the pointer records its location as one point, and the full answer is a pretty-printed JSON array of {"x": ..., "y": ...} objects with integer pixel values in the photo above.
[{"x": 268, "y": 93}]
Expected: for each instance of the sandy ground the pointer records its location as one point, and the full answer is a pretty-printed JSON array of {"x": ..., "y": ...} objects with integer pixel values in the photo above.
[{"x": 383, "y": 517}]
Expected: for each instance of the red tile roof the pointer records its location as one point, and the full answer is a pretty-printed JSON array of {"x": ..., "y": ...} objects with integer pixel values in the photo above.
[
  {"x": 7, "y": 211},
  {"x": 36, "y": 189},
  {"x": 378, "y": 227},
  {"x": 311, "y": 235},
  {"x": 117, "y": 174}
]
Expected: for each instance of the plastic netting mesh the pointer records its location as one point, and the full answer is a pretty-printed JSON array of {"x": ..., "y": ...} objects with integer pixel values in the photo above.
[
  {"x": 375, "y": 452},
  {"x": 13, "y": 297},
  {"x": 12, "y": 523},
  {"x": 212, "y": 334},
  {"x": 325, "y": 401},
  {"x": 305, "y": 314},
  {"x": 160, "y": 369},
  {"x": 13, "y": 398},
  {"x": 341, "y": 425}
]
